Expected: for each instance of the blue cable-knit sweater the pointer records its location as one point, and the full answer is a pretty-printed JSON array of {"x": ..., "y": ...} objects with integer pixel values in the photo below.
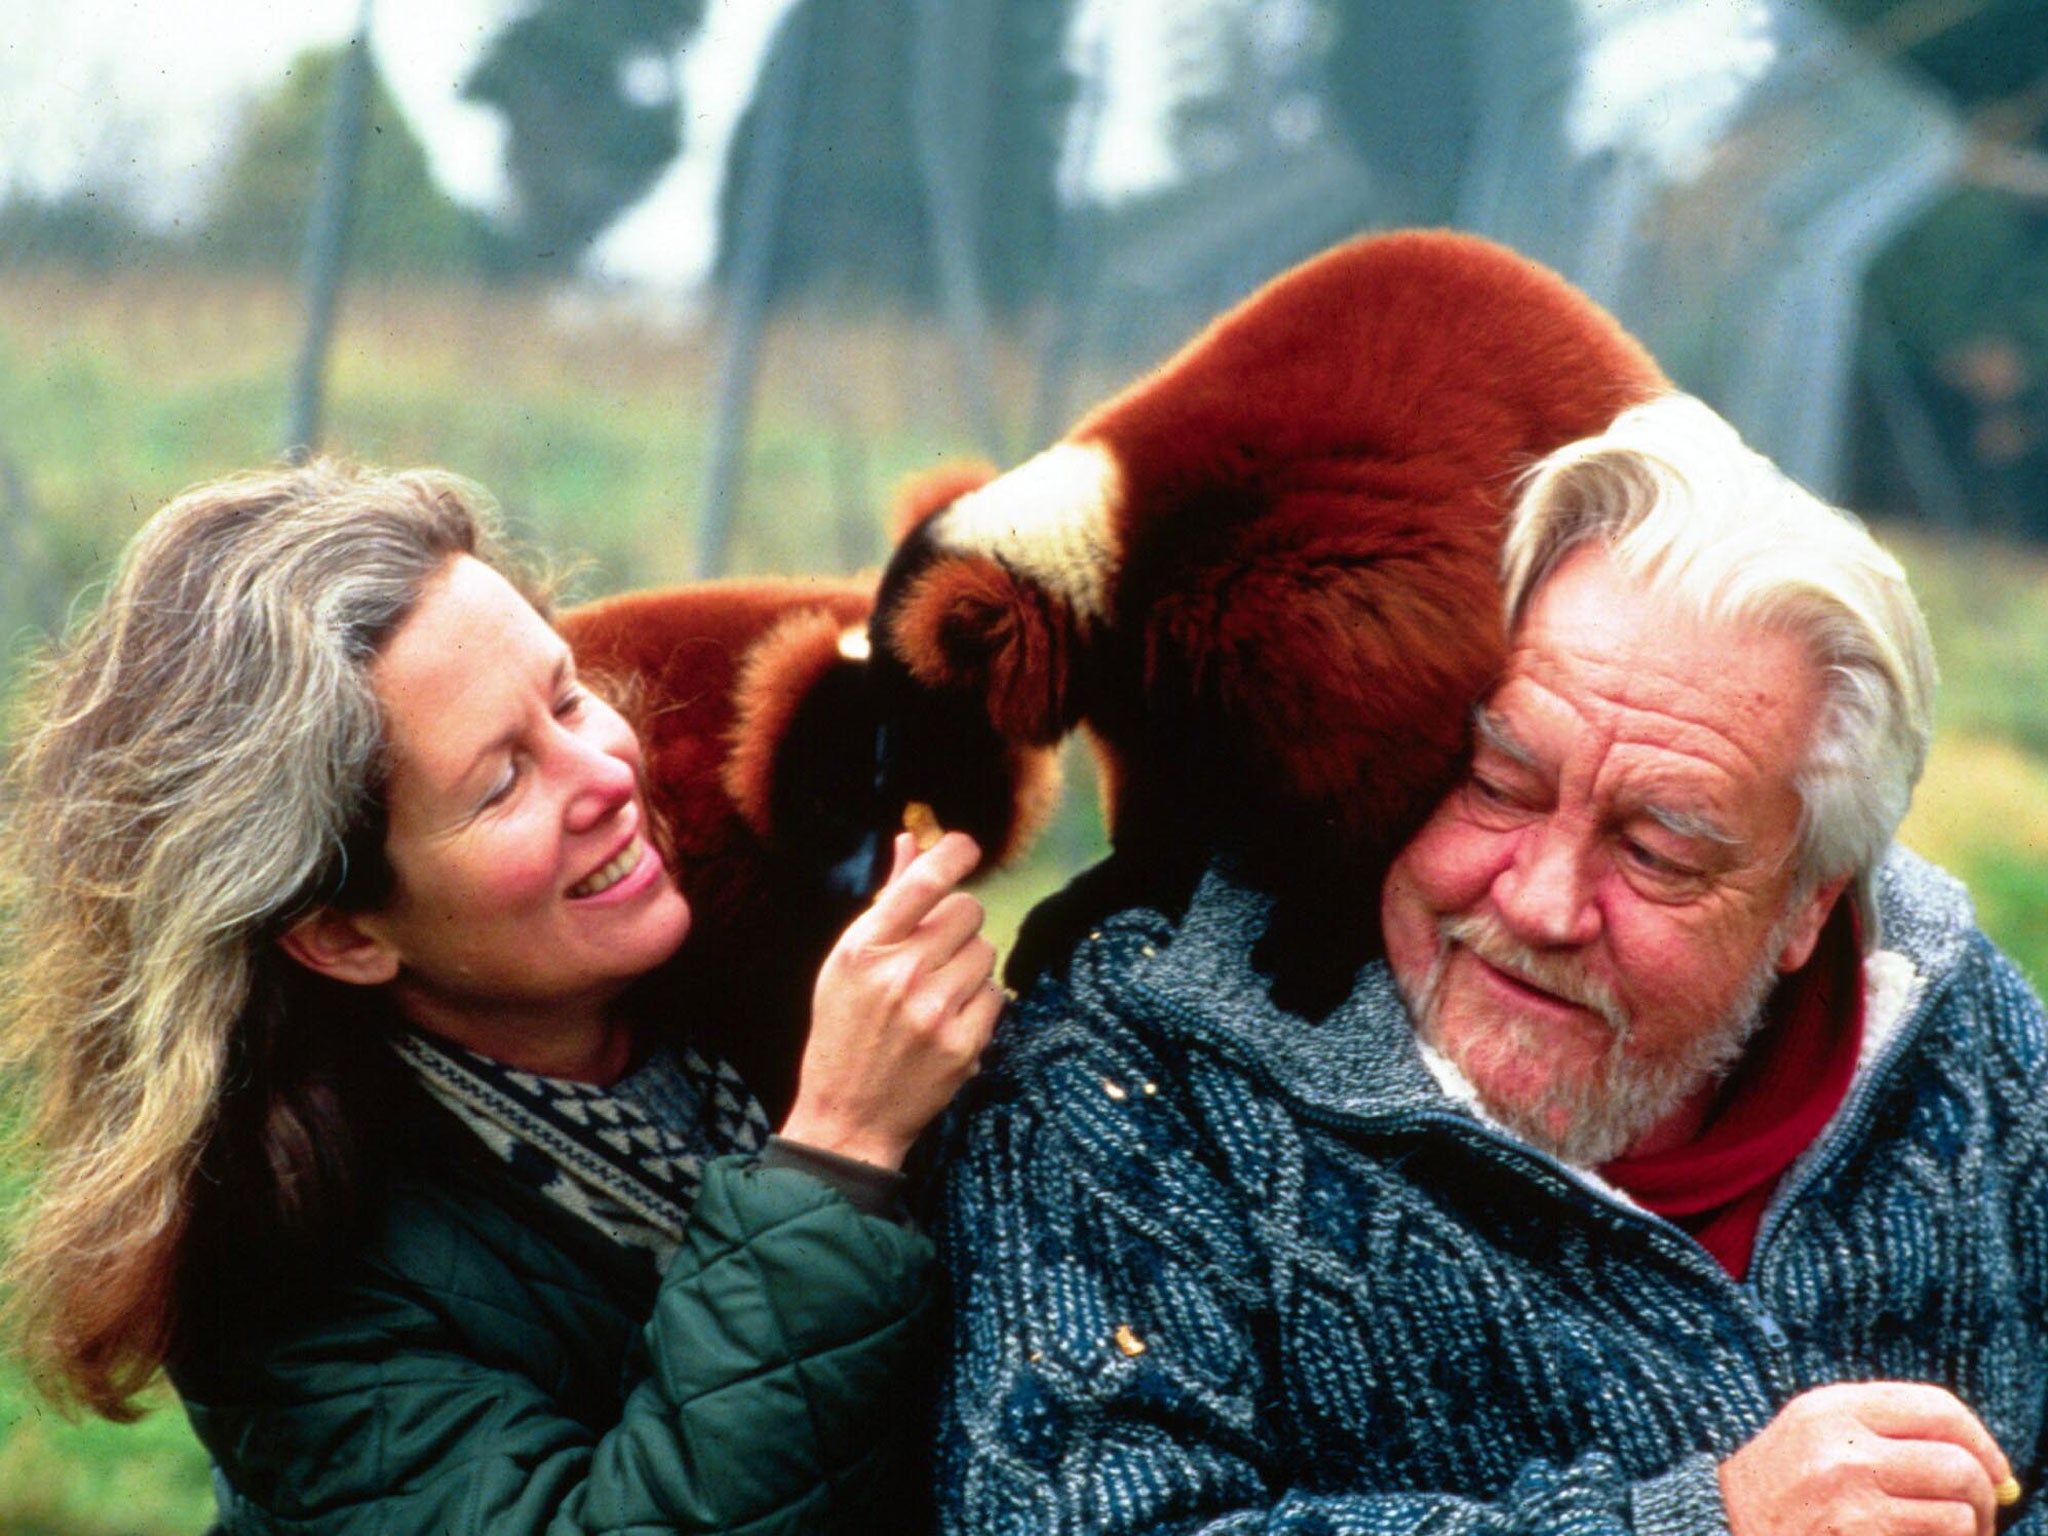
[{"x": 1218, "y": 1269}]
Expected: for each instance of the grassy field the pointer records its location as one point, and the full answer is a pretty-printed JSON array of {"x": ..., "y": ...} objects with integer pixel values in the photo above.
[
  {"x": 590, "y": 427},
  {"x": 1982, "y": 809}
]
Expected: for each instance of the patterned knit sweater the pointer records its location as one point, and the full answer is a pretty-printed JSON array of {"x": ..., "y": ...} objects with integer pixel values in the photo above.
[{"x": 1217, "y": 1269}]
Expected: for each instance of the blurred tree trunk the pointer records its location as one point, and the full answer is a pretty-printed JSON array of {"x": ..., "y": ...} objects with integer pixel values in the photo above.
[
  {"x": 861, "y": 170},
  {"x": 327, "y": 235},
  {"x": 756, "y": 211},
  {"x": 1075, "y": 239},
  {"x": 953, "y": 65}
]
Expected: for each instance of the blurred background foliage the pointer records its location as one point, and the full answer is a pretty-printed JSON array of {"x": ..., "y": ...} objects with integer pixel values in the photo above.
[
  {"x": 939, "y": 228},
  {"x": 405, "y": 223}
]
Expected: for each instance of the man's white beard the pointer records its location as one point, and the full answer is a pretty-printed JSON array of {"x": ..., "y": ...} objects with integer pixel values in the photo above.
[{"x": 1602, "y": 1112}]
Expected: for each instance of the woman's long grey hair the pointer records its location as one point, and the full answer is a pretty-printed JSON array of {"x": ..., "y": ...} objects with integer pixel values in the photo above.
[{"x": 198, "y": 762}]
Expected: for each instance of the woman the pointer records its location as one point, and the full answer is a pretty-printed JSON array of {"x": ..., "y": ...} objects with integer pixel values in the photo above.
[{"x": 338, "y": 930}]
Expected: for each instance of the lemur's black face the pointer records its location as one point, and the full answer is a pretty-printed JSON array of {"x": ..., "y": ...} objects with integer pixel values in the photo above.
[
  {"x": 870, "y": 742},
  {"x": 828, "y": 803}
]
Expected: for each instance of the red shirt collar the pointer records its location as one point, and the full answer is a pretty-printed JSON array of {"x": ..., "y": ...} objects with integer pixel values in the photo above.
[{"x": 1792, "y": 1078}]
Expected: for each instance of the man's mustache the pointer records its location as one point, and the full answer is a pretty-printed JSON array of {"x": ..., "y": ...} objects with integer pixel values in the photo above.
[{"x": 1559, "y": 975}]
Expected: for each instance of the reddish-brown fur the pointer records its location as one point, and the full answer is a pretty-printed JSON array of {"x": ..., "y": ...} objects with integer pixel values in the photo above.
[
  {"x": 714, "y": 676},
  {"x": 683, "y": 650},
  {"x": 1306, "y": 601},
  {"x": 784, "y": 666}
]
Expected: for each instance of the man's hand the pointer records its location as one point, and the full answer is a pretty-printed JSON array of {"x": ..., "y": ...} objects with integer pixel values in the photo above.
[
  {"x": 1886, "y": 1458},
  {"x": 902, "y": 1008}
]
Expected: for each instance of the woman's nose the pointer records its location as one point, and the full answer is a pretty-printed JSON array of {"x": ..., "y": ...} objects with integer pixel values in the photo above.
[{"x": 604, "y": 781}]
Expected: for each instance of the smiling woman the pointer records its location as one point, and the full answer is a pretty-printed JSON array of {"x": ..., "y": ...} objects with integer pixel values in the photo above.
[
  {"x": 526, "y": 894},
  {"x": 341, "y": 928}
]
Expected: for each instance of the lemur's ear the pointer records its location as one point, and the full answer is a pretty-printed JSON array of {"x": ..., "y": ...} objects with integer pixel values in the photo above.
[{"x": 966, "y": 626}]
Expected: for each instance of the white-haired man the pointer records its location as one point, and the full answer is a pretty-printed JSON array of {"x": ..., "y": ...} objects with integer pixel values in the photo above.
[{"x": 1683, "y": 1168}]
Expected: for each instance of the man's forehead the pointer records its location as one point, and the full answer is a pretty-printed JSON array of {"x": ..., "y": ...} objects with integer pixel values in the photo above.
[
  {"x": 1704, "y": 737},
  {"x": 1592, "y": 631},
  {"x": 1643, "y": 723}
]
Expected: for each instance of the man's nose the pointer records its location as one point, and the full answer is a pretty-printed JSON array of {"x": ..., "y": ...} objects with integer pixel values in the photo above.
[{"x": 1545, "y": 894}]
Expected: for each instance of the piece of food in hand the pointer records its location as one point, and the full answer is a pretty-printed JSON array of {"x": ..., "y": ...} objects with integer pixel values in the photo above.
[
  {"x": 2007, "y": 1493},
  {"x": 922, "y": 824}
]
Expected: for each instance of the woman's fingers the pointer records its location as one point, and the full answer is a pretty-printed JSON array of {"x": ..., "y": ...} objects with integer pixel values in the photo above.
[
  {"x": 952, "y": 923},
  {"x": 966, "y": 972},
  {"x": 978, "y": 1016},
  {"x": 902, "y": 849},
  {"x": 914, "y": 889},
  {"x": 901, "y": 1010}
]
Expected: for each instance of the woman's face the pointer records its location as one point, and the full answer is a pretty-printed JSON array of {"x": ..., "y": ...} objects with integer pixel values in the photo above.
[{"x": 527, "y": 893}]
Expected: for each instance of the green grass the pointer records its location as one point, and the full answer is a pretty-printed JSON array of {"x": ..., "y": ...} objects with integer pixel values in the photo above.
[
  {"x": 1987, "y": 604},
  {"x": 94, "y": 1478},
  {"x": 84, "y": 1476},
  {"x": 1982, "y": 809},
  {"x": 116, "y": 394},
  {"x": 2011, "y": 891}
]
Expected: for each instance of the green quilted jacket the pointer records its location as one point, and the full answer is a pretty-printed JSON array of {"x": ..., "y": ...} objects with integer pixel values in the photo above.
[{"x": 490, "y": 1364}]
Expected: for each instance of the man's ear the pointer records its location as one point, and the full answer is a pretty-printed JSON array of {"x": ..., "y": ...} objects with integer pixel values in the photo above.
[
  {"x": 341, "y": 947},
  {"x": 1803, "y": 931}
]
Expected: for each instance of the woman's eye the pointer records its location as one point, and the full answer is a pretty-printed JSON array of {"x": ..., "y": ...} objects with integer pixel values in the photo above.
[
  {"x": 570, "y": 705},
  {"x": 502, "y": 789}
]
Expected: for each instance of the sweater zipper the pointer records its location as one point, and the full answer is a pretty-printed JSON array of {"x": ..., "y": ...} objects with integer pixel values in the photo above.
[
  {"x": 1846, "y": 1129},
  {"x": 1673, "y": 1241},
  {"x": 1547, "y": 1172}
]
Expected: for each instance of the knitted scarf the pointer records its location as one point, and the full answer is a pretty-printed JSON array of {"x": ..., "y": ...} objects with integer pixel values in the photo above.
[{"x": 628, "y": 1159}]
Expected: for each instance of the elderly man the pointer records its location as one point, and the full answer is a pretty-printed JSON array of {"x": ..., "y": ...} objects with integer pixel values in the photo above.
[{"x": 1681, "y": 1169}]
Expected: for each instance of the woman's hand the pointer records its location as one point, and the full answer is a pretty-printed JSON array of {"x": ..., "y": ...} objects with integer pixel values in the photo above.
[{"x": 903, "y": 1006}]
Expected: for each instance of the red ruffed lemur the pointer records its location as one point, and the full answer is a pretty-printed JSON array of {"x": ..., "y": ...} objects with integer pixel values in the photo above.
[
  {"x": 1263, "y": 579},
  {"x": 751, "y": 701}
]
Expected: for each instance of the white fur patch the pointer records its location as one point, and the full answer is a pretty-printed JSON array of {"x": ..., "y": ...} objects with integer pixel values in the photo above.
[
  {"x": 1049, "y": 519},
  {"x": 1891, "y": 985}
]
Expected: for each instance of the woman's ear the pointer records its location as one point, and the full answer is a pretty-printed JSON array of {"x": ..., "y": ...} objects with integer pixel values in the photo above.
[{"x": 339, "y": 946}]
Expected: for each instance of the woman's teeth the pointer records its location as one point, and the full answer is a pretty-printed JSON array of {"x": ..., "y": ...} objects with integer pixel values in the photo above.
[{"x": 611, "y": 874}]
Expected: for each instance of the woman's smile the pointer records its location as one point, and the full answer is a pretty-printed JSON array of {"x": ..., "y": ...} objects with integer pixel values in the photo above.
[{"x": 616, "y": 878}]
